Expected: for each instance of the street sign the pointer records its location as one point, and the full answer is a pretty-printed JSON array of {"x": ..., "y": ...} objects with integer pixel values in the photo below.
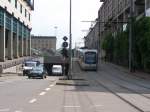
[
  {"x": 65, "y": 44},
  {"x": 65, "y": 38}
]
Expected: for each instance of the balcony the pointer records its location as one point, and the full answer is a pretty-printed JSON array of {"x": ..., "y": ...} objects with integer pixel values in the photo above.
[{"x": 30, "y": 3}]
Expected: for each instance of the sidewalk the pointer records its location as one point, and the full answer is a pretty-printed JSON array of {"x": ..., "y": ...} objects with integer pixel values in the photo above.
[{"x": 12, "y": 71}]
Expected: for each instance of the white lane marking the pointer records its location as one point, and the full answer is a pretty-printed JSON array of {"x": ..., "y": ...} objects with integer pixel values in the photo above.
[
  {"x": 51, "y": 85},
  {"x": 47, "y": 89},
  {"x": 33, "y": 100},
  {"x": 71, "y": 106},
  {"x": 42, "y": 93},
  {"x": 4, "y": 110},
  {"x": 98, "y": 105}
]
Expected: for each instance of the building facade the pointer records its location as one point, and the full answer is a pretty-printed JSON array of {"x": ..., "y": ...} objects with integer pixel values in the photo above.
[
  {"x": 15, "y": 28},
  {"x": 43, "y": 42},
  {"x": 114, "y": 15},
  {"x": 92, "y": 38}
]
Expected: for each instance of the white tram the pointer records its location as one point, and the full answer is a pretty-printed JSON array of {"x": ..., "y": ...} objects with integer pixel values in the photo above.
[{"x": 87, "y": 59}]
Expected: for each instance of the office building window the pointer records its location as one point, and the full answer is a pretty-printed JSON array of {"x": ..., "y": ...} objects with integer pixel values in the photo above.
[
  {"x": 16, "y": 3},
  {"x": 20, "y": 8},
  {"x": 29, "y": 17},
  {"x": 25, "y": 13}
]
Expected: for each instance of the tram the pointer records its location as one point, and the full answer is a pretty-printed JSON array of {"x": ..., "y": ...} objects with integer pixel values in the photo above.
[{"x": 87, "y": 59}]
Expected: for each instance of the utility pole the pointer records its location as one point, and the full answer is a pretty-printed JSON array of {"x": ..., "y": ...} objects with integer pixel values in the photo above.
[
  {"x": 70, "y": 35},
  {"x": 131, "y": 63}
]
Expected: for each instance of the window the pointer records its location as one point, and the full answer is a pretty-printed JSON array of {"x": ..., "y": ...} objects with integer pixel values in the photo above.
[
  {"x": 16, "y": 3},
  {"x": 25, "y": 13},
  {"x": 29, "y": 17},
  {"x": 20, "y": 8},
  {"x": 9, "y": 0}
]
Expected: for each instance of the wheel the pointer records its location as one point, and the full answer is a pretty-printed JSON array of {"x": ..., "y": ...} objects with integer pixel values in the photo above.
[
  {"x": 24, "y": 73},
  {"x": 45, "y": 76},
  {"x": 42, "y": 77}
]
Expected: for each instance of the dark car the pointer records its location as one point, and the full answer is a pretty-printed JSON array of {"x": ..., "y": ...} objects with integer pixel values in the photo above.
[{"x": 38, "y": 71}]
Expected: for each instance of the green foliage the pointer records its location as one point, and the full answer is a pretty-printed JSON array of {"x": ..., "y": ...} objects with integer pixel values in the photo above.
[
  {"x": 121, "y": 48},
  {"x": 142, "y": 35},
  {"x": 107, "y": 45},
  {"x": 117, "y": 49}
]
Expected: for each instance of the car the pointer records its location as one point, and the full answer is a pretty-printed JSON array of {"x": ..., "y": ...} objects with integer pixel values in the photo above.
[
  {"x": 57, "y": 70},
  {"x": 38, "y": 71},
  {"x": 28, "y": 65}
]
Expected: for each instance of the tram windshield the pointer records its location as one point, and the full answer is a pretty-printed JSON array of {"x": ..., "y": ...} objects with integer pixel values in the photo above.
[{"x": 90, "y": 57}]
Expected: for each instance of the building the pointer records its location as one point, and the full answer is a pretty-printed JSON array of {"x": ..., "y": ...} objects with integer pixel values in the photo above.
[
  {"x": 43, "y": 42},
  {"x": 114, "y": 15},
  {"x": 92, "y": 38},
  {"x": 15, "y": 28}
]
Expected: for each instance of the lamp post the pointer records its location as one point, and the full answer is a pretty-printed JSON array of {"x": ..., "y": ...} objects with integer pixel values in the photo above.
[{"x": 70, "y": 41}]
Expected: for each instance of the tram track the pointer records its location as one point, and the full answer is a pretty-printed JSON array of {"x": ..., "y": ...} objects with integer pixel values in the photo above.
[
  {"x": 129, "y": 82},
  {"x": 114, "y": 92},
  {"x": 120, "y": 97},
  {"x": 126, "y": 80}
]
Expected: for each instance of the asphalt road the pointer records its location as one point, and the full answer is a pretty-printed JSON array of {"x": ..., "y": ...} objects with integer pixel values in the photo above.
[{"x": 110, "y": 90}]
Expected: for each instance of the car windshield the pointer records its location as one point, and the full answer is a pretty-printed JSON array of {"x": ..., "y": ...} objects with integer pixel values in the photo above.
[{"x": 30, "y": 64}]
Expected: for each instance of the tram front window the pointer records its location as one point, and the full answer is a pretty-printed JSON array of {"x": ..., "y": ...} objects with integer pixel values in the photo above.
[{"x": 90, "y": 58}]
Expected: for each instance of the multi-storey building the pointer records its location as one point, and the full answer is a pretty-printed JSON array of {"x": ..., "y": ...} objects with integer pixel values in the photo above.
[
  {"x": 92, "y": 38},
  {"x": 15, "y": 28},
  {"x": 113, "y": 16},
  {"x": 43, "y": 42}
]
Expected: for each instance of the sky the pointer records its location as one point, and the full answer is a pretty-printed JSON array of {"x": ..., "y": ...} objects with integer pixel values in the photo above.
[{"x": 51, "y": 18}]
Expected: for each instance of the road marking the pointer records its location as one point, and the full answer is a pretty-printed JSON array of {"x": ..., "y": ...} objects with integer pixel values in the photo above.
[
  {"x": 42, "y": 93},
  {"x": 51, "y": 85},
  {"x": 18, "y": 111},
  {"x": 47, "y": 89},
  {"x": 4, "y": 110},
  {"x": 98, "y": 105},
  {"x": 33, "y": 100},
  {"x": 71, "y": 106}
]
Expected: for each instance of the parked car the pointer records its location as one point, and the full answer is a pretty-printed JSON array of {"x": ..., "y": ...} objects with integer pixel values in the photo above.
[
  {"x": 28, "y": 65},
  {"x": 38, "y": 71},
  {"x": 57, "y": 70}
]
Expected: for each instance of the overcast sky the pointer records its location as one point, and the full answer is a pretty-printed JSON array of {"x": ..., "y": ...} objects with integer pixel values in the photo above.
[{"x": 51, "y": 13}]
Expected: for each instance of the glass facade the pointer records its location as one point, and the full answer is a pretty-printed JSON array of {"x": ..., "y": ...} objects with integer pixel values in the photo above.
[
  {"x": 8, "y": 21},
  {"x": 1, "y": 17}
]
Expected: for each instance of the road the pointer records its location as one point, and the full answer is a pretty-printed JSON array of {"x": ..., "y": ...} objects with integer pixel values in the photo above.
[{"x": 110, "y": 90}]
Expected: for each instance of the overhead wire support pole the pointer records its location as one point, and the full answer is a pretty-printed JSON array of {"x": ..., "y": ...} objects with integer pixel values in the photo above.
[
  {"x": 70, "y": 45},
  {"x": 131, "y": 37}
]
